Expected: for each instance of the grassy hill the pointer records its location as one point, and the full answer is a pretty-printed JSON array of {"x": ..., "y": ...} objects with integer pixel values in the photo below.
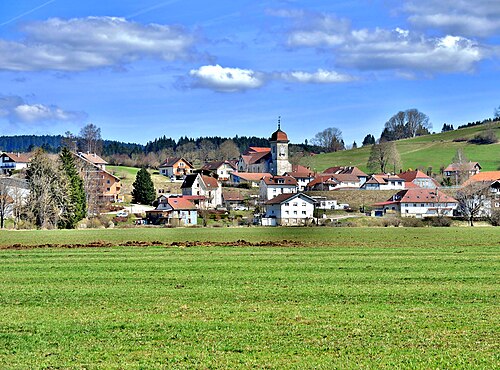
[{"x": 421, "y": 152}]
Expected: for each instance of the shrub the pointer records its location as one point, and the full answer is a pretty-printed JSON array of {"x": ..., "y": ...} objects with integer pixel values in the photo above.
[
  {"x": 495, "y": 218},
  {"x": 412, "y": 222},
  {"x": 440, "y": 221},
  {"x": 487, "y": 137},
  {"x": 391, "y": 221}
]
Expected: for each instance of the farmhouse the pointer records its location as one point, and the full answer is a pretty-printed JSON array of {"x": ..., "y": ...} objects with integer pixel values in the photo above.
[
  {"x": 417, "y": 202},
  {"x": 302, "y": 174},
  {"x": 232, "y": 199},
  {"x": 350, "y": 170},
  {"x": 462, "y": 170},
  {"x": 220, "y": 169},
  {"x": 333, "y": 182},
  {"x": 289, "y": 209},
  {"x": 94, "y": 159}
]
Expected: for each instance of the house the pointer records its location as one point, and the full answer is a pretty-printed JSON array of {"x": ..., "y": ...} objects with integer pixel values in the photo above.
[
  {"x": 220, "y": 169},
  {"x": 491, "y": 182},
  {"x": 175, "y": 211},
  {"x": 417, "y": 202},
  {"x": 384, "y": 182},
  {"x": 94, "y": 159},
  {"x": 325, "y": 203},
  {"x": 349, "y": 170},
  {"x": 255, "y": 160},
  {"x": 252, "y": 179},
  {"x": 10, "y": 162},
  {"x": 418, "y": 179},
  {"x": 462, "y": 170},
  {"x": 332, "y": 181},
  {"x": 196, "y": 184},
  {"x": 289, "y": 209},
  {"x": 232, "y": 199},
  {"x": 97, "y": 181},
  {"x": 302, "y": 174},
  {"x": 15, "y": 192},
  {"x": 272, "y": 186},
  {"x": 175, "y": 168}
]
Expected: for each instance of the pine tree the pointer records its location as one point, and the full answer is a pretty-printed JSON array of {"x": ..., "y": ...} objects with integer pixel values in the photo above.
[
  {"x": 144, "y": 190},
  {"x": 76, "y": 191}
]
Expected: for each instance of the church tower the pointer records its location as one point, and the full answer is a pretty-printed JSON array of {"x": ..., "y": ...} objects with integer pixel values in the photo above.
[{"x": 279, "y": 152}]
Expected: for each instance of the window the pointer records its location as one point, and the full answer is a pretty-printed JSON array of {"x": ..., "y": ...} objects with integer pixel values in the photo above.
[
  {"x": 304, "y": 204},
  {"x": 287, "y": 204},
  {"x": 295, "y": 204},
  {"x": 286, "y": 212},
  {"x": 109, "y": 182},
  {"x": 303, "y": 212},
  {"x": 294, "y": 212}
]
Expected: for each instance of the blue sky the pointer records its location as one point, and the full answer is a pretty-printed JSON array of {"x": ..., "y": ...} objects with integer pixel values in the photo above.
[{"x": 144, "y": 69}]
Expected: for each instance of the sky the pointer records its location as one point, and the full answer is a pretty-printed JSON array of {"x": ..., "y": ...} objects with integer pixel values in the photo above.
[{"x": 144, "y": 69}]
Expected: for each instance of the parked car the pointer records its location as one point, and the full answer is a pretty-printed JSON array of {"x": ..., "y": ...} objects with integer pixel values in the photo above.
[
  {"x": 122, "y": 214},
  {"x": 240, "y": 208}
]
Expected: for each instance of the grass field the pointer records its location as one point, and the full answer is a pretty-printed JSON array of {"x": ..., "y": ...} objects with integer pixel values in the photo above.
[
  {"x": 347, "y": 298},
  {"x": 421, "y": 152}
]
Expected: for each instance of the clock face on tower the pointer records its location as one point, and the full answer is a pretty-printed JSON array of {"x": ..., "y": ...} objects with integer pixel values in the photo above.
[{"x": 282, "y": 151}]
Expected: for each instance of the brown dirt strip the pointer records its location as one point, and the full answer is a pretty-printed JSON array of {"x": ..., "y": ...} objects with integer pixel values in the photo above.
[{"x": 138, "y": 243}]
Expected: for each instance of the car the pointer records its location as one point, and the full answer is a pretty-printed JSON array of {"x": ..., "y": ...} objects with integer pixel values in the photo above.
[
  {"x": 122, "y": 214},
  {"x": 240, "y": 208}
]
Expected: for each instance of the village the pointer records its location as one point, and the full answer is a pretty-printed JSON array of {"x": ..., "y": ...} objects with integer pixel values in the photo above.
[{"x": 271, "y": 191}]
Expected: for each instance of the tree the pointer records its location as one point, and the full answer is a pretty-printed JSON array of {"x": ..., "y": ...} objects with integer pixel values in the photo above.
[
  {"x": 6, "y": 202},
  {"x": 228, "y": 150},
  {"x": 90, "y": 139},
  {"x": 354, "y": 145},
  {"x": 206, "y": 151},
  {"x": 497, "y": 113},
  {"x": 447, "y": 127},
  {"x": 69, "y": 141},
  {"x": 368, "y": 140},
  {"x": 144, "y": 190},
  {"x": 407, "y": 124},
  {"x": 48, "y": 202},
  {"x": 471, "y": 200},
  {"x": 329, "y": 139},
  {"x": 76, "y": 192},
  {"x": 384, "y": 157}
]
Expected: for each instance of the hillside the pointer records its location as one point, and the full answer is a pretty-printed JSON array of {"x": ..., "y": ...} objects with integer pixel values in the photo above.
[{"x": 434, "y": 151}]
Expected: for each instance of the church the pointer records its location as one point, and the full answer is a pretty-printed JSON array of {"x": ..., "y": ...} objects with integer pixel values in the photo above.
[{"x": 273, "y": 160}]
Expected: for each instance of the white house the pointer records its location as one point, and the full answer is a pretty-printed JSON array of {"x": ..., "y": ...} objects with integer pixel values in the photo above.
[
  {"x": 175, "y": 211},
  {"x": 196, "y": 184},
  {"x": 349, "y": 170},
  {"x": 418, "y": 179},
  {"x": 13, "y": 162},
  {"x": 417, "y": 202},
  {"x": 273, "y": 186},
  {"x": 333, "y": 181},
  {"x": 16, "y": 192},
  {"x": 289, "y": 209},
  {"x": 302, "y": 174},
  {"x": 384, "y": 182}
]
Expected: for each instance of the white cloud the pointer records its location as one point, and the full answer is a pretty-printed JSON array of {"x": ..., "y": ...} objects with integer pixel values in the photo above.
[
  {"x": 93, "y": 42},
  {"x": 16, "y": 110},
  {"x": 478, "y": 18},
  {"x": 321, "y": 76},
  {"x": 375, "y": 49},
  {"x": 226, "y": 79}
]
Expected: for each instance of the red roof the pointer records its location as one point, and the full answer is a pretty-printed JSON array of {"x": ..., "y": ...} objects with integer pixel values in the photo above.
[
  {"x": 351, "y": 170},
  {"x": 419, "y": 195},
  {"x": 484, "y": 177},
  {"x": 468, "y": 166},
  {"x": 210, "y": 182},
  {"x": 169, "y": 162},
  {"x": 229, "y": 195},
  {"x": 280, "y": 180},
  {"x": 288, "y": 196},
  {"x": 180, "y": 203},
  {"x": 256, "y": 149},
  {"x": 251, "y": 176},
  {"x": 19, "y": 157},
  {"x": 213, "y": 166}
]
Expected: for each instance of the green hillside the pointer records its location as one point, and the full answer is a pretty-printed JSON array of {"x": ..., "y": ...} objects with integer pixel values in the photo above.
[{"x": 421, "y": 152}]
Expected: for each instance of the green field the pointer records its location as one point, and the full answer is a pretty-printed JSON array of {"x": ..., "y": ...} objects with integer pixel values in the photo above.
[
  {"x": 421, "y": 152},
  {"x": 344, "y": 298}
]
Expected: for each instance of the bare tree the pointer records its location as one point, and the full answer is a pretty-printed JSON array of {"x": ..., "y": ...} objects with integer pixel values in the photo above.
[
  {"x": 329, "y": 139},
  {"x": 471, "y": 200},
  {"x": 409, "y": 123},
  {"x": 69, "y": 141},
  {"x": 384, "y": 157},
  {"x": 228, "y": 150},
  {"x": 90, "y": 139},
  {"x": 6, "y": 203},
  {"x": 206, "y": 151}
]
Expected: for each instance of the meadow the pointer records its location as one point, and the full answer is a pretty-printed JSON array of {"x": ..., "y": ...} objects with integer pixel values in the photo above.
[
  {"x": 434, "y": 151},
  {"x": 340, "y": 298}
]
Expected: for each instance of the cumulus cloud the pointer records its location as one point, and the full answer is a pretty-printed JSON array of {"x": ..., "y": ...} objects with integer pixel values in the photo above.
[
  {"x": 84, "y": 43},
  {"x": 16, "y": 110},
  {"x": 373, "y": 49},
  {"x": 226, "y": 79},
  {"x": 479, "y": 18}
]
